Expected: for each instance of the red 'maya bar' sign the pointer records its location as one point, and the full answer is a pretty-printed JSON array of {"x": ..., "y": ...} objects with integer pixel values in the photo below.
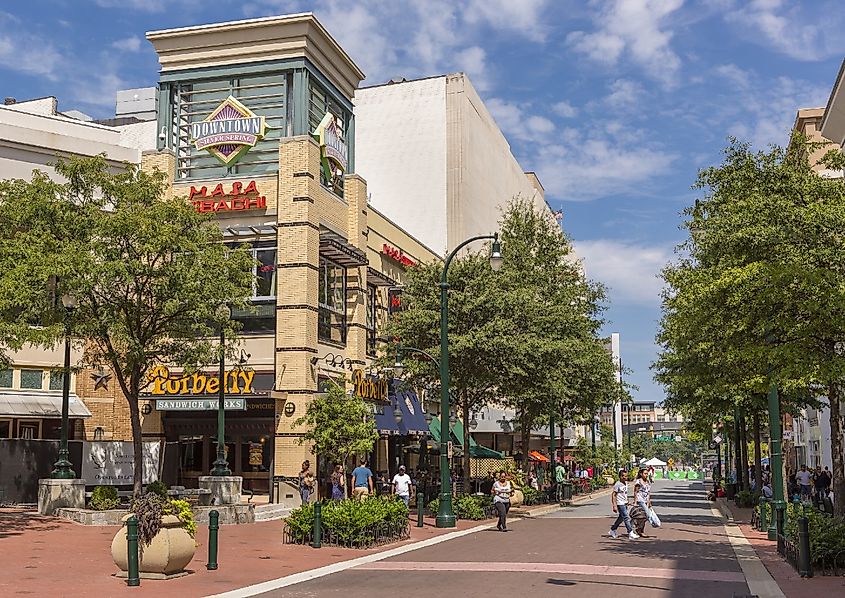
[
  {"x": 397, "y": 255},
  {"x": 238, "y": 198}
]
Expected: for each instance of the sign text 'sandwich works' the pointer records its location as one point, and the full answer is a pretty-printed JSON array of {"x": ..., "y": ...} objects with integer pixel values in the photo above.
[{"x": 234, "y": 197}]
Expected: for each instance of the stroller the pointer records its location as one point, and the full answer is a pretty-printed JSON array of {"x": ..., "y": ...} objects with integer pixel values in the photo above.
[{"x": 638, "y": 518}]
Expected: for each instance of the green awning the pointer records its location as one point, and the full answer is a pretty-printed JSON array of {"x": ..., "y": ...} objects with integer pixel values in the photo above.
[{"x": 475, "y": 449}]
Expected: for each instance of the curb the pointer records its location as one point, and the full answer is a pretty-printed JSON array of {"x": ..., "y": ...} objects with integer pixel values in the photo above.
[{"x": 545, "y": 509}]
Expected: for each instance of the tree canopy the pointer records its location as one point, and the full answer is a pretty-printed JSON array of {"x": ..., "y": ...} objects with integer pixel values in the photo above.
[{"x": 148, "y": 272}]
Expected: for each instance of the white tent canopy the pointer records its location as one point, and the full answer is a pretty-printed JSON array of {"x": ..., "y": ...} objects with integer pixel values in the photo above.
[{"x": 655, "y": 462}]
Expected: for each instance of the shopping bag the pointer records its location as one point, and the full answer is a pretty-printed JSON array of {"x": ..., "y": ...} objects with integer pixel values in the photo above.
[{"x": 653, "y": 518}]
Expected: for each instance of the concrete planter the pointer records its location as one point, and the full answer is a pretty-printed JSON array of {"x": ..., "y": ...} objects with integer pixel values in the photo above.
[
  {"x": 517, "y": 498},
  {"x": 167, "y": 555}
]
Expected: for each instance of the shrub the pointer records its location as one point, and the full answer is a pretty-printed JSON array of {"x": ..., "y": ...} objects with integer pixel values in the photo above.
[
  {"x": 467, "y": 506},
  {"x": 827, "y": 534},
  {"x": 348, "y": 522},
  {"x": 104, "y": 498},
  {"x": 158, "y": 487},
  {"x": 745, "y": 499},
  {"x": 182, "y": 510}
]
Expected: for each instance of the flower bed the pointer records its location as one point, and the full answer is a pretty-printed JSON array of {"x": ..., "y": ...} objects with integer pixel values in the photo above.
[{"x": 351, "y": 523}]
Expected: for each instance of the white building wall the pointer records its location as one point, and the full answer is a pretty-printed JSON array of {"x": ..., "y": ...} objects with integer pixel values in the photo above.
[
  {"x": 483, "y": 175},
  {"x": 435, "y": 161},
  {"x": 400, "y": 149}
]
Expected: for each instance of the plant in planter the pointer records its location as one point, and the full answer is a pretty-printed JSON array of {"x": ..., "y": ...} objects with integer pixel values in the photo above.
[
  {"x": 157, "y": 487},
  {"x": 104, "y": 498},
  {"x": 166, "y": 530}
]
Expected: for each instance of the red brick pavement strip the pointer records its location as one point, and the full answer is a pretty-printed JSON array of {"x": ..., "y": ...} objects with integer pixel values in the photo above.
[
  {"x": 47, "y": 556},
  {"x": 792, "y": 584}
]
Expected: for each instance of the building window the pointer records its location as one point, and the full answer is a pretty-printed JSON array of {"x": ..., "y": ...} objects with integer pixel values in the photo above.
[
  {"x": 32, "y": 379},
  {"x": 372, "y": 304},
  {"x": 260, "y": 317},
  {"x": 57, "y": 380},
  {"x": 6, "y": 378},
  {"x": 5, "y": 428},
  {"x": 331, "y": 324}
]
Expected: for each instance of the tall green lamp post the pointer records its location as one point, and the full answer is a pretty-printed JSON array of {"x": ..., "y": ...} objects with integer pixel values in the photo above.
[
  {"x": 779, "y": 503},
  {"x": 221, "y": 466},
  {"x": 63, "y": 468},
  {"x": 445, "y": 515}
]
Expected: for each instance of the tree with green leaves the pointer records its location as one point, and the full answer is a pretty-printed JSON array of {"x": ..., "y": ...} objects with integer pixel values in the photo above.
[
  {"x": 149, "y": 273},
  {"x": 340, "y": 425},
  {"x": 757, "y": 293}
]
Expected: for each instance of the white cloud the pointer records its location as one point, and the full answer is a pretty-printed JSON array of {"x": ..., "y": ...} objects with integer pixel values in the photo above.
[
  {"x": 565, "y": 109},
  {"x": 801, "y": 31},
  {"x": 633, "y": 30},
  {"x": 526, "y": 18},
  {"x": 590, "y": 163},
  {"x": 516, "y": 123},
  {"x": 631, "y": 271},
  {"x": 27, "y": 53},
  {"x": 473, "y": 61},
  {"x": 128, "y": 44},
  {"x": 624, "y": 94},
  {"x": 142, "y": 5}
]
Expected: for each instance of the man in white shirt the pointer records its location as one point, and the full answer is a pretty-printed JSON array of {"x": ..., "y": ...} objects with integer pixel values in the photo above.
[
  {"x": 402, "y": 485},
  {"x": 805, "y": 481}
]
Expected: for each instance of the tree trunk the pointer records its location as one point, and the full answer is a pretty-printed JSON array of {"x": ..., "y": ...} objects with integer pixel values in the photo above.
[
  {"x": 743, "y": 432},
  {"x": 525, "y": 438},
  {"x": 758, "y": 455},
  {"x": 137, "y": 438},
  {"x": 466, "y": 458},
  {"x": 838, "y": 470}
]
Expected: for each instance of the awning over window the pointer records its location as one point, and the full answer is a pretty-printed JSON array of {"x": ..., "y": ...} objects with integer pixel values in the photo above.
[
  {"x": 21, "y": 403},
  {"x": 385, "y": 422},
  {"x": 413, "y": 417},
  {"x": 379, "y": 279},
  {"x": 258, "y": 230},
  {"x": 340, "y": 251},
  {"x": 457, "y": 434}
]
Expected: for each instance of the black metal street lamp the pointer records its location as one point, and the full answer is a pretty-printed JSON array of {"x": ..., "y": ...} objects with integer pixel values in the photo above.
[
  {"x": 63, "y": 468},
  {"x": 221, "y": 466}
]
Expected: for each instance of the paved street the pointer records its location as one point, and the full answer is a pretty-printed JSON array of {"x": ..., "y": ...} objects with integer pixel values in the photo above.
[{"x": 565, "y": 553}]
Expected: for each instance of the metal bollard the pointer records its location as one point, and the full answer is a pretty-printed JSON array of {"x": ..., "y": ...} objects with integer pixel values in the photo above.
[
  {"x": 420, "y": 506},
  {"x": 213, "y": 529},
  {"x": 132, "y": 579},
  {"x": 763, "y": 521},
  {"x": 317, "y": 533},
  {"x": 805, "y": 564}
]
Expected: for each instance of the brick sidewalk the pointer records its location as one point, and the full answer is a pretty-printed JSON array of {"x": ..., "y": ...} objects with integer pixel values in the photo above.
[
  {"x": 47, "y": 556},
  {"x": 792, "y": 584}
]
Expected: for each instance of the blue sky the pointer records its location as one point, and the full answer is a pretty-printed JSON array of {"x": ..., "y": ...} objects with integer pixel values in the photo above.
[{"x": 614, "y": 103}]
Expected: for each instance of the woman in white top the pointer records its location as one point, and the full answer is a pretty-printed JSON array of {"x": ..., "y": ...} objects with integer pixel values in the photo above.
[{"x": 501, "y": 492}]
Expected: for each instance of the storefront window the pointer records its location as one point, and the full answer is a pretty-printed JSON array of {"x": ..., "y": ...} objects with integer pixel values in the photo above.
[
  {"x": 32, "y": 379},
  {"x": 5, "y": 428},
  {"x": 372, "y": 305},
  {"x": 332, "y": 298},
  {"x": 6, "y": 378}
]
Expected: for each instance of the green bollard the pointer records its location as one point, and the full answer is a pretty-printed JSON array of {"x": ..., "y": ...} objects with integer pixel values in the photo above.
[
  {"x": 420, "y": 507},
  {"x": 317, "y": 534},
  {"x": 213, "y": 529},
  {"x": 805, "y": 565},
  {"x": 132, "y": 578}
]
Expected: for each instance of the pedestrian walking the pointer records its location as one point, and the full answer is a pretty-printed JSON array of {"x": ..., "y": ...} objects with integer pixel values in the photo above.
[
  {"x": 619, "y": 502},
  {"x": 306, "y": 482},
  {"x": 560, "y": 476},
  {"x": 501, "y": 492},
  {"x": 805, "y": 480},
  {"x": 362, "y": 481},
  {"x": 402, "y": 485},
  {"x": 642, "y": 496},
  {"x": 338, "y": 483}
]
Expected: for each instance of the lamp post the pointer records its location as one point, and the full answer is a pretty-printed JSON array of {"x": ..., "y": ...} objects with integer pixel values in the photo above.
[
  {"x": 221, "y": 466},
  {"x": 63, "y": 468},
  {"x": 445, "y": 515},
  {"x": 776, "y": 458},
  {"x": 552, "y": 443}
]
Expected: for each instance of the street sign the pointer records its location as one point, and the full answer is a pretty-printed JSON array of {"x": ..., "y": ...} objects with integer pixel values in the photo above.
[
  {"x": 199, "y": 404},
  {"x": 671, "y": 462}
]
